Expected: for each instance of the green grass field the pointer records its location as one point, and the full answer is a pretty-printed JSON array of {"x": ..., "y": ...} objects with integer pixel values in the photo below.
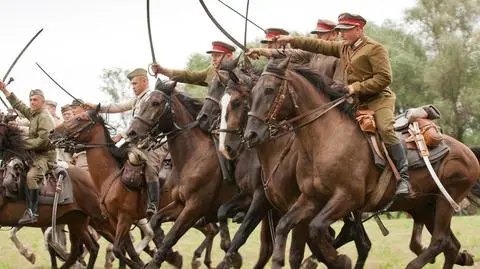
[{"x": 387, "y": 252}]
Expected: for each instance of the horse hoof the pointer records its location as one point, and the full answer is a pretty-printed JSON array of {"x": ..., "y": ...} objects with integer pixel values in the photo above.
[
  {"x": 465, "y": 259},
  {"x": 196, "y": 264},
  {"x": 221, "y": 265},
  {"x": 343, "y": 261},
  {"x": 151, "y": 265},
  {"x": 233, "y": 260},
  {"x": 175, "y": 259},
  {"x": 309, "y": 263},
  {"x": 32, "y": 258}
]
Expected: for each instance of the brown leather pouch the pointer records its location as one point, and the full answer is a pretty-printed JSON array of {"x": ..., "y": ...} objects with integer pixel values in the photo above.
[
  {"x": 133, "y": 176},
  {"x": 430, "y": 131},
  {"x": 366, "y": 121}
]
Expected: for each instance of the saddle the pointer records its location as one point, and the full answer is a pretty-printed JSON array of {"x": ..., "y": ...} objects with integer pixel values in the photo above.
[
  {"x": 13, "y": 183},
  {"x": 424, "y": 116}
]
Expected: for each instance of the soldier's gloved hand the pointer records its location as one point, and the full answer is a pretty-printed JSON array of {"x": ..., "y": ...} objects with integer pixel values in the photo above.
[
  {"x": 117, "y": 138},
  {"x": 253, "y": 53},
  {"x": 2, "y": 86},
  {"x": 156, "y": 69}
]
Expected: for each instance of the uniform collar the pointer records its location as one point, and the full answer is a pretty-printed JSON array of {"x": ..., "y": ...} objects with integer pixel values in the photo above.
[{"x": 143, "y": 93}]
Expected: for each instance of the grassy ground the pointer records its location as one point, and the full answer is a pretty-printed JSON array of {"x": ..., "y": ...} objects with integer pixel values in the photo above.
[{"x": 387, "y": 252}]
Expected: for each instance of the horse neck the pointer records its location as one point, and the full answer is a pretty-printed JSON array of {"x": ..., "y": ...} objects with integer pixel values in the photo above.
[
  {"x": 187, "y": 143},
  {"x": 100, "y": 170},
  {"x": 319, "y": 131}
]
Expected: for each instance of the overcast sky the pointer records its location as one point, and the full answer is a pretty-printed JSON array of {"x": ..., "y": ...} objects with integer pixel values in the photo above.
[{"x": 81, "y": 37}]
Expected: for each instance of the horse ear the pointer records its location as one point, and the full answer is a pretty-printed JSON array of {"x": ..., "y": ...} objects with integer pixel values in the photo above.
[
  {"x": 233, "y": 77},
  {"x": 284, "y": 64},
  {"x": 97, "y": 109}
]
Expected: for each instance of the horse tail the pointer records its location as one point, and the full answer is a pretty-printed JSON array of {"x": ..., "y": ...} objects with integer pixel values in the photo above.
[{"x": 474, "y": 195}]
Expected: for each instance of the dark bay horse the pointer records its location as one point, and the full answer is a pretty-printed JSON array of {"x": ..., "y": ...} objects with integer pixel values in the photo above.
[
  {"x": 200, "y": 190},
  {"x": 75, "y": 215},
  {"x": 344, "y": 176},
  {"x": 279, "y": 160}
]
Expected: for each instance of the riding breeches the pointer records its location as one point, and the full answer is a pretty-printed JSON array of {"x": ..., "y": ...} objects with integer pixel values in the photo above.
[
  {"x": 154, "y": 162},
  {"x": 37, "y": 171},
  {"x": 384, "y": 108}
]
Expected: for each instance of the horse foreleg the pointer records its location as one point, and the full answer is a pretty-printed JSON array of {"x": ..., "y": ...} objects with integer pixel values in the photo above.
[
  {"x": 257, "y": 210},
  {"x": 147, "y": 235},
  {"x": 227, "y": 210},
  {"x": 187, "y": 218},
  {"x": 122, "y": 237},
  {"x": 77, "y": 227},
  {"x": 210, "y": 231},
  {"x": 338, "y": 206},
  {"x": 25, "y": 251},
  {"x": 266, "y": 243},
  {"x": 302, "y": 210},
  {"x": 297, "y": 245},
  {"x": 109, "y": 256}
]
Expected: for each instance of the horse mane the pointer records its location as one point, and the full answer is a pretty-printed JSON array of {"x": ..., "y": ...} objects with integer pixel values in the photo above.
[
  {"x": 14, "y": 142},
  {"x": 120, "y": 154},
  {"x": 323, "y": 84},
  {"x": 193, "y": 105}
]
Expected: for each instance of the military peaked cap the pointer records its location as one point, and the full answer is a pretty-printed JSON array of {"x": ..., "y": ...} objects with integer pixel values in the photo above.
[
  {"x": 349, "y": 21},
  {"x": 270, "y": 33},
  {"x": 221, "y": 47},
  {"x": 324, "y": 26}
]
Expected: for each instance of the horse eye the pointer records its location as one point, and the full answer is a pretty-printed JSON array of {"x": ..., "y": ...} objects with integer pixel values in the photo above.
[
  {"x": 79, "y": 118},
  {"x": 155, "y": 103},
  {"x": 235, "y": 103}
]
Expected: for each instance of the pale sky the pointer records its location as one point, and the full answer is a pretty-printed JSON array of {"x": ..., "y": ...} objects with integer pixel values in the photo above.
[{"x": 81, "y": 37}]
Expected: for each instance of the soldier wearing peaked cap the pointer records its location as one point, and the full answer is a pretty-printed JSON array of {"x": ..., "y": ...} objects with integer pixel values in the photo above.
[
  {"x": 368, "y": 74},
  {"x": 139, "y": 82},
  {"x": 52, "y": 108},
  {"x": 220, "y": 51},
  {"x": 325, "y": 30},
  {"x": 272, "y": 33},
  {"x": 37, "y": 142}
]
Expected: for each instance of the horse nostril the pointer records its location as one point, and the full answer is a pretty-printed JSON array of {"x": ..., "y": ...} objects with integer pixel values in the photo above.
[
  {"x": 229, "y": 150},
  {"x": 132, "y": 133},
  {"x": 202, "y": 117},
  {"x": 251, "y": 135}
]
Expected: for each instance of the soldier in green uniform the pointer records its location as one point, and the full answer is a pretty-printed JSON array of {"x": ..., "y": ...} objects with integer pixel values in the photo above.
[
  {"x": 37, "y": 142},
  {"x": 327, "y": 65},
  {"x": 368, "y": 74},
  {"x": 220, "y": 51}
]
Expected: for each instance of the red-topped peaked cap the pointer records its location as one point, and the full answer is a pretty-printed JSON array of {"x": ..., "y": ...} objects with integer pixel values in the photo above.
[
  {"x": 270, "y": 33},
  {"x": 221, "y": 47},
  {"x": 324, "y": 26},
  {"x": 349, "y": 21}
]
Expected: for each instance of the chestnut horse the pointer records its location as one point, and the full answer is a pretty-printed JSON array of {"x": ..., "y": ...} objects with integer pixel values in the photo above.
[
  {"x": 75, "y": 215},
  {"x": 200, "y": 190},
  {"x": 344, "y": 175}
]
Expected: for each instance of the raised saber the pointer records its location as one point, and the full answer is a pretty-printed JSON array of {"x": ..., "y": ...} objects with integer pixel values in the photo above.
[
  {"x": 56, "y": 83},
  {"x": 241, "y": 15},
  {"x": 152, "y": 50},
  {"x": 420, "y": 141}
]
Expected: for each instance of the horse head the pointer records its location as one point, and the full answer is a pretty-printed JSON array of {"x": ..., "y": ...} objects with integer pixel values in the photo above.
[
  {"x": 79, "y": 129},
  {"x": 270, "y": 102},
  {"x": 156, "y": 111},
  {"x": 235, "y": 105},
  {"x": 208, "y": 116}
]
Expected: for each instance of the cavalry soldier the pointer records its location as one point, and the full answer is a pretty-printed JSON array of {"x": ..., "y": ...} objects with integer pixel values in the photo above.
[
  {"x": 220, "y": 51},
  {"x": 37, "y": 142},
  {"x": 79, "y": 159},
  {"x": 327, "y": 65},
  {"x": 52, "y": 108},
  {"x": 66, "y": 112},
  {"x": 139, "y": 81},
  {"x": 368, "y": 74}
]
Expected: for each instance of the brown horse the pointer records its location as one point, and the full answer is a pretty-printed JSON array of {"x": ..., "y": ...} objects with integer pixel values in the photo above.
[
  {"x": 279, "y": 159},
  {"x": 344, "y": 175},
  {"x": 75, "y": 215},
  {"x": 200, "y": 190}
]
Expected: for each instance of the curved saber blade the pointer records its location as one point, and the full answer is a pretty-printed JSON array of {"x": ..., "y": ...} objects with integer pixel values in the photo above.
[
  {"x": 56, "y": 83},
  {"x": 240, "y": 45},
  {"x": 20, "y": 54},
  {"x": 455, "y": 206},
  {"x": 241, "y": 15},
  {"x": 154, "y": 60}
]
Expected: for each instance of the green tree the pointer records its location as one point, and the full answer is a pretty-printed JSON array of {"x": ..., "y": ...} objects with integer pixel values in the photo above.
[
  {"x": 450, "y": 32},
  {"x": 197, "y": 62},
  {"x": 115, "y": 85},
  {"x": 408, "y": 59}
]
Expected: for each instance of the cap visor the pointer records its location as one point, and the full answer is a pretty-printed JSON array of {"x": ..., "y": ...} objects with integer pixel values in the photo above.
[
  {"x": 344, "y": 27},
  {"x": 266, "y": 41},
  {"x": 321, "y": 31},
  {"x": 215, "y": 51}
]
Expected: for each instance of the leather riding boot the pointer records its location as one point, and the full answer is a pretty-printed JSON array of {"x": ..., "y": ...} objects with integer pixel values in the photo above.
[
  {"x": 399, "y": 158},
  {"x": 153, "y": 190},
  {"x": 28, "y": 216}
]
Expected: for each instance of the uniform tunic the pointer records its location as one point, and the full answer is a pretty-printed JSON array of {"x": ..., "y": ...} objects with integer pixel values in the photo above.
[
  {"x": 37, "y": 141},
  {"x": 367, "y": 68}
]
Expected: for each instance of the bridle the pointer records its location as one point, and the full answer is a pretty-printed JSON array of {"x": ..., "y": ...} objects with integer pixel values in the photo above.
[{"x": 292, "y": 124}]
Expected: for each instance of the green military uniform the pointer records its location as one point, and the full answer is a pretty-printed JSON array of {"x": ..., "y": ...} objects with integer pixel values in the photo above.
[
  {"x": 202, "y": 78},
  {"x": 367, "y": 68},
  {"x": 41, "y": 123}
]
